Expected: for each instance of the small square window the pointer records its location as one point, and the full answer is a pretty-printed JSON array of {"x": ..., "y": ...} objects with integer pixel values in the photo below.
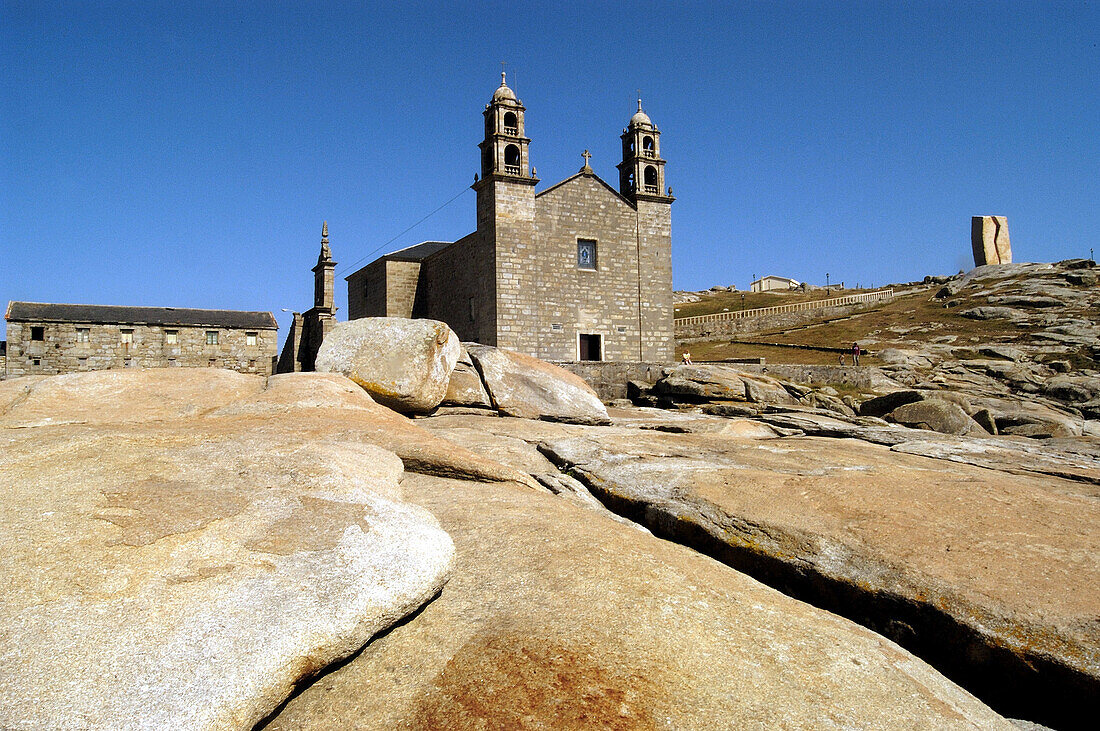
[
  {"x": 127, "y": 335},
  {"x": 38, "y": 333},
  {"x": 36, "y": 361},
  {"x": 622, "y": 329},
  {"x": 211, "y": 337},
  {"x": 213, "y": 362},
  {"x": 250, "y": 338},
  {"x": 556, "y": 326},
  {"x": 82, "y": 363},
  {"x": 82, "y": 334},
  {"x": 171, "y": 337},
  {"x": 172, "y": 363},
  {"x": 586, "y": 254}
]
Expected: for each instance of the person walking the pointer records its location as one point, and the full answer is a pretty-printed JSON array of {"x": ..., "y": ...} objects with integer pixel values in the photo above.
[{"x": 855, "y": 353}]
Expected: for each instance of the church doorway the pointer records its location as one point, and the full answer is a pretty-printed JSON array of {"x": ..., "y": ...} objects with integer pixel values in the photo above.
[{"x": 589, "y": 347}]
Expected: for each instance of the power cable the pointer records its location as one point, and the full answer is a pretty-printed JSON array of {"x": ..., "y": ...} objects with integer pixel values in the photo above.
[{"x": 344, "y": 268}]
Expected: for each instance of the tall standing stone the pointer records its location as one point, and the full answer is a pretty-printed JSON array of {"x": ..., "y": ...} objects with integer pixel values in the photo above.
[{"x": 989, "y": 237}]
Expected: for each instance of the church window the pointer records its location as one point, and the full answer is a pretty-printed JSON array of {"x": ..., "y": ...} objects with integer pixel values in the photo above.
[
  {"x": 126, "y": 336},
  {"x": 211, "y": 337},
  {"x": 36, "y": 361},
  {"x": 651, "y": 180},
  {"x": 82, "y": 334},
  {"x": 622, "y": 328},
  {"x": 171, "y": 337},
  {"x": 511, "y": 159},
  {"x": 588, "y": 347},
  {"x": 586, "y": 254},
  {"x": 38, "y": 333},
  {"x": 250, "y": 338},
  {"x": 511, "y": 126}
]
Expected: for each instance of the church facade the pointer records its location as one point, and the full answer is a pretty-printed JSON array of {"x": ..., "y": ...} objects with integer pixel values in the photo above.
[{"x": 578, "y": 271}]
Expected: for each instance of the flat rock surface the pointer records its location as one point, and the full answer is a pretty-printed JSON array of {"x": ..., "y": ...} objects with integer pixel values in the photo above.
[
  {"x": 121, "y": 396},
  {"x": 600, "y": 626},
  {"x": 1013, "y": 560},
  {"x": 186, "y": 573},
  {"x": 326, "y": 407}
]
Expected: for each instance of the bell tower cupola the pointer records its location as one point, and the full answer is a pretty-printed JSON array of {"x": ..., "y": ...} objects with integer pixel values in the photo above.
[
  {"x": 642, "y": 171},
  {"x": 504, "y": 151}
]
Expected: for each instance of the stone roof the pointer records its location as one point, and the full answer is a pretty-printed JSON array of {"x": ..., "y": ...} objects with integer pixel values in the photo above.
[
  {"x": 418, "y": 252},
  {"x": 111, "y": 315}
]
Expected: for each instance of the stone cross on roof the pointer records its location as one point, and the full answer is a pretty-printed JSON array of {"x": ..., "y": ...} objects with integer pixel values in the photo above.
[{"x": 587, "y": 156}]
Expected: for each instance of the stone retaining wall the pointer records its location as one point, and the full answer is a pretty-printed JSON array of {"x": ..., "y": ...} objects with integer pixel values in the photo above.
[
  {"x": 608, "y": 378},
  {"x": 855, "y": 376},
  {"x": 763, "y": 323}
]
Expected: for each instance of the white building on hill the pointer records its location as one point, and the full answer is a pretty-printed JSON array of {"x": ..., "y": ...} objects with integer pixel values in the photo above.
[{"x": 772, "y": 282}]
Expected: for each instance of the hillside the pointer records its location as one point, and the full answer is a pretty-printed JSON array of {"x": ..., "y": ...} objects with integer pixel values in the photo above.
[{"x": 1048, "y": 312}]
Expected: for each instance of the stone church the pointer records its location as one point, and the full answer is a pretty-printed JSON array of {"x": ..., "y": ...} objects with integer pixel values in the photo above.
[{"x": 578, "y": 271}]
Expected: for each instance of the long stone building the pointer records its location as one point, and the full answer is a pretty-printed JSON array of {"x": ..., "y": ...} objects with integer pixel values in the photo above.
[
  {"x": 578, "y": 271},
  {"x": 61, "y": 338}
]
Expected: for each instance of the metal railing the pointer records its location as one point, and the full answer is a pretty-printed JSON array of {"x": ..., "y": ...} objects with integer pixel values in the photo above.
[{"x": 881, "y": 295}]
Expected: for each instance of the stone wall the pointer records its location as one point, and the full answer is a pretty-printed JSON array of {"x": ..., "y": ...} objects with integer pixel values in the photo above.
[
  {"x": 854, "y": 376},
  {"x": 655, "y": 284},
  {"x": 402, "y": 280},
  {"x": 458, "y": 289},
  {"x": 609, "y": 378},
  {"x": 289, "y": 360},
  {"x": 367, "y": 291},
  {"x": 62, "y": 351},
  {"x": 766, "y": 323},
  {"x": 519, "y": 264}
]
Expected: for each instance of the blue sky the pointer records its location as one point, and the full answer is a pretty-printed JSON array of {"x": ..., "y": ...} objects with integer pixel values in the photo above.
[{"x": 185, "y": 153}]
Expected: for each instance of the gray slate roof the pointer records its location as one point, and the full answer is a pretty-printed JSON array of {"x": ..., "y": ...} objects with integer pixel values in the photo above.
[
  {"x": 418, "y": 252},
  {"x": 111, "y": 315}
]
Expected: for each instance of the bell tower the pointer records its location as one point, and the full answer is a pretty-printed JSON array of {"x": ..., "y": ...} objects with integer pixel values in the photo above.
[
  {"x": 502, "y": 252},
  {"x": 642, "y": 171},
  {"x": 504, "y": 149}
]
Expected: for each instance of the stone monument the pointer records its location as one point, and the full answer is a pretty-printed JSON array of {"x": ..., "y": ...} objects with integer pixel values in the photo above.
[{"x": 989, "y": 237}]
